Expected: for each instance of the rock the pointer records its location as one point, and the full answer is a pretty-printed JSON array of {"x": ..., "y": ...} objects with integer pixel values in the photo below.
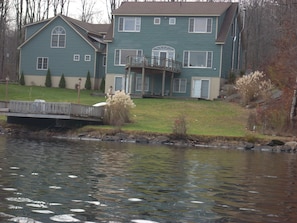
[
  {"x": 249, "y": 146},
  {"x": 291, "y": 144},
  {"x": 142, "y": 140},
  {"x": 275, "y": 142}
]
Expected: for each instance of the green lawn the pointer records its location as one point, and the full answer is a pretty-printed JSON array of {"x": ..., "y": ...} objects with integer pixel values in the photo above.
[{"x": 215, "y": 118}]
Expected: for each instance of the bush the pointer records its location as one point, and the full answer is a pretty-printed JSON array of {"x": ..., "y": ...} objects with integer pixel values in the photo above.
[
  {"x": 180, "y": 127},
  {"x": 88, "y": 84},
  {"x": 118, "y": 109},
  {"x": 253, "y": 86},
  {"x": 22, "y": 79},
  {"x": 102, "y": 85},
  {"x": 62, "y": 83},
  {"x": 48, "y": 79}
]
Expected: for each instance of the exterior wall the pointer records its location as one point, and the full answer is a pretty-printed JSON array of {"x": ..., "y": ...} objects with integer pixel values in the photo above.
[
  {"x": 71, "y": 82},
  {"x": 32, "y": 29},
  {"x": 176, "y": 36},
  {"x": 60, "y": 60}
]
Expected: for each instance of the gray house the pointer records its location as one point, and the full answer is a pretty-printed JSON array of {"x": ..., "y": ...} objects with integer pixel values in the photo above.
[
  {"x": 65, "y": 46},
  {"x": 179, "y": 49}
]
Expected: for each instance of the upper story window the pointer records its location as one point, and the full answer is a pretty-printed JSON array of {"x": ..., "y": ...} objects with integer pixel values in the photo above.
[
  {"x": 122, "y": 54},
  {"x": 129, "y": 24},
  {"x": 172, "y": 21},
  {"x": 58, "y": 37},
  {"x": 76, "y": 57},
  {"x": 200, "y": 25},
  {"x": 198, "y": 59},
  {"x": 157, "y": 21},
  {"x": 87, "y": 57},
  {"x": 42, "y": 63}
]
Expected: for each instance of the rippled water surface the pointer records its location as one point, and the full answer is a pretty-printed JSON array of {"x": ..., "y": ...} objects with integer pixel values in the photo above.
[{"x": 78, "y": 181}]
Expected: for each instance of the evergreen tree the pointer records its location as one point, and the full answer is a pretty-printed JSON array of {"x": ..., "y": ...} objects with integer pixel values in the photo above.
[
  {"x": 88, "y": 85},
  {"x": 22, "y": 79},
  {"x": 48, "y": 80},
  {"x": 62, "y": 83},
  {"x": 102, "y": 85}
]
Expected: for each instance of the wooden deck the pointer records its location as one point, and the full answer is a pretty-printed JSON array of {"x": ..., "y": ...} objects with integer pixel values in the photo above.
[{"x": 52, "y": 110}]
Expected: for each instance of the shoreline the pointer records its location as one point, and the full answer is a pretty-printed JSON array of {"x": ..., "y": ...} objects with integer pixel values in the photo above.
[{"x": 188, "y": 141}]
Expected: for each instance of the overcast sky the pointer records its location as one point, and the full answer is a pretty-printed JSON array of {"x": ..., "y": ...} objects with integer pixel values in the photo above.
[{"x": 100, "y": 10}]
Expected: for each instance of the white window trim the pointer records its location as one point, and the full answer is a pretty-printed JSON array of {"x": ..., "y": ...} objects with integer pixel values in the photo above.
[
  {"x": 87, "y": 57},
  {"x": 203, "y": 67},
  {"x": 172, "y": 21},
  {"x": 58, "y": 37},
  {"x": 137, "y": 24},
  {"x": 179, "y": 85},
  {"x": 137, "y": 52},
  {"x": 76, "y": 57},
  {"x": 207, "y": 20},
  {"x": 42, "y": 63},
  {"x": 147, "y": 84},
  {"x": 157, "y": 21}
]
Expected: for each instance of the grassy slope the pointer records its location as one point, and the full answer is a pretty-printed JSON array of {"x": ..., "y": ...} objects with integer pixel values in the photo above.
[{"x": 215, "y": 118}]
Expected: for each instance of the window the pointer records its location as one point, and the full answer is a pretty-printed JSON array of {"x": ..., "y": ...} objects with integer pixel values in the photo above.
[
  {"x": 139, "y": 84},
  {"x": 179, "y": 85},
  {"x": 121, "y": 56},
  {"x": 172, "y": 21},
  {"x": 58, "y": 39},
  {"x": 87, "y": 57},
  {"x": 198, "y": 59},
  {"x": 104, "y": 61},
  {"x": 129, "y": 24},
  {"x": 200, "y": 25},
  {"x": 157, "y": 21},
  {"x": 42, "y": 63},
  {"x": 76, "y": 57}
]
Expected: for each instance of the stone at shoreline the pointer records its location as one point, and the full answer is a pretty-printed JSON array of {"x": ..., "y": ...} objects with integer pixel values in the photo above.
[{"x": 291, "y": 144}]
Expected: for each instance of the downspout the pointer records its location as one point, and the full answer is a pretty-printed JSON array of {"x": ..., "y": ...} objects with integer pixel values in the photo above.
[{"x": 239, "y": 40}]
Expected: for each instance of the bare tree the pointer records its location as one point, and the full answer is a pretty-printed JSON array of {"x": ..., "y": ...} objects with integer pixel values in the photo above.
[
  {"x": 87, "y": 10},
  {"x": 111, "y": 5}
]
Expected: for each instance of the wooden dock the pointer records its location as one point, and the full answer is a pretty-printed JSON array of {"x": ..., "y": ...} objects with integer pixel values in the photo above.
[{"x": 54, "y": 111}]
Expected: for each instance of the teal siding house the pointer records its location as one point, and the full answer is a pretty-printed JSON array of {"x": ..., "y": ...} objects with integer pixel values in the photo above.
[
  {"x": 178, "y": 49},
  {"x": 64, "y": 46}
]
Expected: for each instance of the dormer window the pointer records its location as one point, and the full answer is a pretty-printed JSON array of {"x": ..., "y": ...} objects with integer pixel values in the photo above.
[{"x": 58, "y": 39}]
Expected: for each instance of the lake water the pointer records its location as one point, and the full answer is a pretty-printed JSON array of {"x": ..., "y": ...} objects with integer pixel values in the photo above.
[{"x": 79, "y": 181}]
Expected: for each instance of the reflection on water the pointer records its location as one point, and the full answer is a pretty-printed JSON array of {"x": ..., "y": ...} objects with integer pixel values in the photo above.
[{"x": 76, "y": 181}]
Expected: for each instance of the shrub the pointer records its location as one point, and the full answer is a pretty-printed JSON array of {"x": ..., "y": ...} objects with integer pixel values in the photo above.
[
  {"x": 102, "y": 85},
  {"x": 118, "y": 109},
  {"x": 88, "y": 84},
  {"x": 48, "y": 79},
  {"x": 253, "y": 86},
  {"x": 62, "y": 83},
  {"x": 180, "y": 127},
  {"x": 22, "y": 79}
]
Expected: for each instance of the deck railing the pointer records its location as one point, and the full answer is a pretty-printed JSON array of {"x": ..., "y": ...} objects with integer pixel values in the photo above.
[
  {"x": 154, "y": 63},
  {"x": 55, "y": 108}
]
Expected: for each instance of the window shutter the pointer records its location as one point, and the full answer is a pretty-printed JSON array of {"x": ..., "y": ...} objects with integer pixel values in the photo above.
[
  {"x": 121, "y": 24},
  {"x": 117, "y": 57},
  {"x": 186, "y": 58},
  {"x": 209, "y": 59},
  {"x": 208, "y": 25},
  {"x": 191, "y": 25}
]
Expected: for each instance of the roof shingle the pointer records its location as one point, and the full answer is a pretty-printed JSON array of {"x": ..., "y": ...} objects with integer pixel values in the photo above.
[{"x": 172, "y": 8}]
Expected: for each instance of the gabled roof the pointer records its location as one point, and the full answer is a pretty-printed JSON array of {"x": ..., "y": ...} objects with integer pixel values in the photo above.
[
  {"x": 172, "y": 8},
  {"x": 89, "y": 32},
  {"x": 226, "y": 25}
]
